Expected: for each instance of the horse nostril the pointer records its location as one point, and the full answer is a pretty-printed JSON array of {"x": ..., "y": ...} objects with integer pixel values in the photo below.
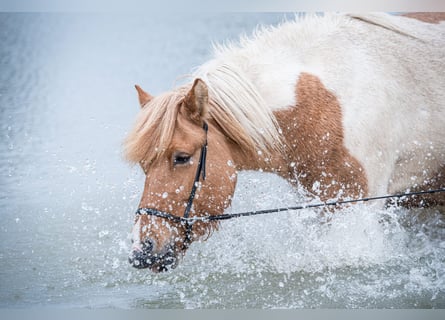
[{"x": 147, "y": 245}]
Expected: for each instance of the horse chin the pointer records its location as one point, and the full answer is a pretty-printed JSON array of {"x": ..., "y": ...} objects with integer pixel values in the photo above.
[{"x": 156, "y": 262}]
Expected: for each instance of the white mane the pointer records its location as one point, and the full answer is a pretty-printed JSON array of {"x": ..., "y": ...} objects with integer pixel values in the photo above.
[
  {"x": 257, "y": 75},
  {"x": 252, "y": 78},
  {"x": 230, "y": 89}
]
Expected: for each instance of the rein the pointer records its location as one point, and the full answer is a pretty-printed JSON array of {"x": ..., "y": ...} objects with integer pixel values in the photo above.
[
  {"x": 228, "y": 216},
  {"x": 201, "y": 172}
]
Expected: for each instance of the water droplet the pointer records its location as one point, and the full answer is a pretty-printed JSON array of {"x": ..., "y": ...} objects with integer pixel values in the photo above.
[
  {"x": 103, "y": 233},
  {"x": 164, "y": 195}
]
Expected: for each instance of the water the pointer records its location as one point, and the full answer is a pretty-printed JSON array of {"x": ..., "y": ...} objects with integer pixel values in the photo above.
[{"x": 67, "y": 198}]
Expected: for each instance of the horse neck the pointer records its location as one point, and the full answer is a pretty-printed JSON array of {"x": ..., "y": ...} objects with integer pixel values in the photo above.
[{"x": 274, "y": 161}]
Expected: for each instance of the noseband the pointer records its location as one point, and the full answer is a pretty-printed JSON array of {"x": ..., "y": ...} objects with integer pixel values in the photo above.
[{"x": 200, "y": 171}]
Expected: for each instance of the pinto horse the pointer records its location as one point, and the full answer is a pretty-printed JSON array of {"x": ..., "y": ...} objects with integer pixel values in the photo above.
[{"x": 344, "y": 105}]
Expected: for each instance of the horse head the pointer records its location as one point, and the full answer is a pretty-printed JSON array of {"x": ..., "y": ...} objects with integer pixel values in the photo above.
[{"x": 167, "y": 142}]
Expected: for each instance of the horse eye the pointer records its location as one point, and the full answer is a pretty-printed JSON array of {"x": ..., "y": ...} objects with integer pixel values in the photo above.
[{"x": 181, "y": 158}]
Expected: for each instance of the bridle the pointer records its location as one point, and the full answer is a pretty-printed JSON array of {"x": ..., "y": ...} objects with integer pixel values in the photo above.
[{"x": 185, "y": 219}]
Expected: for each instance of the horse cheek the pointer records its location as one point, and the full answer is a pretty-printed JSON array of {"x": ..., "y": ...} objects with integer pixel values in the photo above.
[{"x": 221, "y": 191}]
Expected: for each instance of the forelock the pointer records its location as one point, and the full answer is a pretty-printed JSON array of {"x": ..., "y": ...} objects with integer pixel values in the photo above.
[{"x": 154, "y": 128}]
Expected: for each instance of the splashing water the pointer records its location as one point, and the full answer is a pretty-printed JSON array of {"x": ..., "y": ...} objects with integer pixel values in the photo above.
[{"x": 357, "y": 257}]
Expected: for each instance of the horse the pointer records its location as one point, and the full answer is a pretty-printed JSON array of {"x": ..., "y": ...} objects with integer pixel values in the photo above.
[{"x": 344, "y": 105}]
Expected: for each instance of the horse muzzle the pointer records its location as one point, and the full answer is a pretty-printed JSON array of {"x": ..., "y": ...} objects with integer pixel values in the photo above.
[{"x": 146, "y": 256}]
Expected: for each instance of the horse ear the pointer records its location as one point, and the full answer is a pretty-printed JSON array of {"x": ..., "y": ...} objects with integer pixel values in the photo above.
[
  {"x": 144, "y": 97},
  {"x": 197, "y": 100}
]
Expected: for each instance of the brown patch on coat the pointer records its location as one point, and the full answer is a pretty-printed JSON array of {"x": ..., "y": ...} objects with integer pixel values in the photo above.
[
  {"x": 314, "y": 135},
  {"x": 429, "y": 17}
]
